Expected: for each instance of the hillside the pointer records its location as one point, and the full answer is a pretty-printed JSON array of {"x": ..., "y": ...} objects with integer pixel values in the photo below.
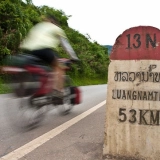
[
  {"x": 109, "y": 48},
  {"x": 18, "y": 17}
]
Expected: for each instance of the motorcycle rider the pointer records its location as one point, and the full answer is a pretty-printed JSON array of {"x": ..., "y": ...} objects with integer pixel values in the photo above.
[{"x": 42, "y": 41}]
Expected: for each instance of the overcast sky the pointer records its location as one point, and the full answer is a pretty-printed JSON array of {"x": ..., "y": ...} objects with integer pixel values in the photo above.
[{"x": 104, "y": 20}]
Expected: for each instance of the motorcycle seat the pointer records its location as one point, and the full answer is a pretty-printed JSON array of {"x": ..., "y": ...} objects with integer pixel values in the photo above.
[{"x": 31, "y": 58}]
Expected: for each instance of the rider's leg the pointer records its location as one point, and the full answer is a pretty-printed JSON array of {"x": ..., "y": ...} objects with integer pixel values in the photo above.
[
  {"x": 58, "y": 73},
  {"x": 50, "y": 56}
]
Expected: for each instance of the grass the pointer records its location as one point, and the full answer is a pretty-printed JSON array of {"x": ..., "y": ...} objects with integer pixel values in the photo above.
[
  {"x": 4, "y": 88},
  {"x": 89, "y": 81},
  {"x": 78, "y": 81}
]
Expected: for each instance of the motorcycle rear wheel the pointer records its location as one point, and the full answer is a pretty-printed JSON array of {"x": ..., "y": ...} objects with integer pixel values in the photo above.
[
  {"x": 22, "y": 116},
  {"x": 24, "y": 84}
]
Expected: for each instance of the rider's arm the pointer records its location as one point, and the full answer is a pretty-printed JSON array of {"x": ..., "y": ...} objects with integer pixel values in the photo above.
[{"x": 68, "y": 48}]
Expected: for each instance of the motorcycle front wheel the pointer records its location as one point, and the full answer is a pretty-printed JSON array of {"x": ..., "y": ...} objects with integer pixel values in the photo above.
[{"x": 66, "y": 107}]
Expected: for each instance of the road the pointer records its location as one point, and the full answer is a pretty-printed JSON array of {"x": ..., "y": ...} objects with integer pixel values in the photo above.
[{"x": 77, "y": 136}]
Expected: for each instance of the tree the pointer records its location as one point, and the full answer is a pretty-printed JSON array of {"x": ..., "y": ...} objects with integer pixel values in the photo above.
[{"x": 13, "y": 26}]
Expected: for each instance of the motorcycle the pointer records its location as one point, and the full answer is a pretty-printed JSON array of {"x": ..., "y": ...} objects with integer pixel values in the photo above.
[{"x": 31, "y": 81}]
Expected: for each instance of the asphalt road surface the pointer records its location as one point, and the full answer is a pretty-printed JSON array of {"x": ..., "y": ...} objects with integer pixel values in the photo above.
[{"x": 76, "y": 136}]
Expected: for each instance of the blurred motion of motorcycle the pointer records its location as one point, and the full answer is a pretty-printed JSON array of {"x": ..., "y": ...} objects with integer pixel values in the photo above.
[{"x": 31, "y": 80}]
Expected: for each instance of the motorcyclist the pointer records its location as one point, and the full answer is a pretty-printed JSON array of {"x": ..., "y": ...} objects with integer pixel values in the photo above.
[{"x": 43, "y": 40}]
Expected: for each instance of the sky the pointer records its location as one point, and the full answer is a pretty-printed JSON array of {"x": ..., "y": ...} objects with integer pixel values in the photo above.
[{"x": 104, "y": 20}]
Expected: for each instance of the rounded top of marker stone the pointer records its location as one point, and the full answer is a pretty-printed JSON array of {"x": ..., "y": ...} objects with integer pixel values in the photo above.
[{"x": 137, "y": 43}]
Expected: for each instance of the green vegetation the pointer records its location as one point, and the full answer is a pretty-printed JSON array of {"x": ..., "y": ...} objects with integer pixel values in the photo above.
[{"x": 17, "y": 17}]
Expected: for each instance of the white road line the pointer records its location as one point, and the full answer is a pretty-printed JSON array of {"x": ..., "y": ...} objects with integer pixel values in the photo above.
[{"x": 27, "y": 148}]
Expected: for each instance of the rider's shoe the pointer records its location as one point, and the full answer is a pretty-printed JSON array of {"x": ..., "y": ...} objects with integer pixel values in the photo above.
[
  {"x": 57, "y": 93},
  {"x": 57, "y": 98}
]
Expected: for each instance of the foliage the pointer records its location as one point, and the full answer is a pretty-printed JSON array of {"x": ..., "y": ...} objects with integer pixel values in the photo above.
[
  {"x": 18, "y": 17},
  {"x": 16, "y": 20}
]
